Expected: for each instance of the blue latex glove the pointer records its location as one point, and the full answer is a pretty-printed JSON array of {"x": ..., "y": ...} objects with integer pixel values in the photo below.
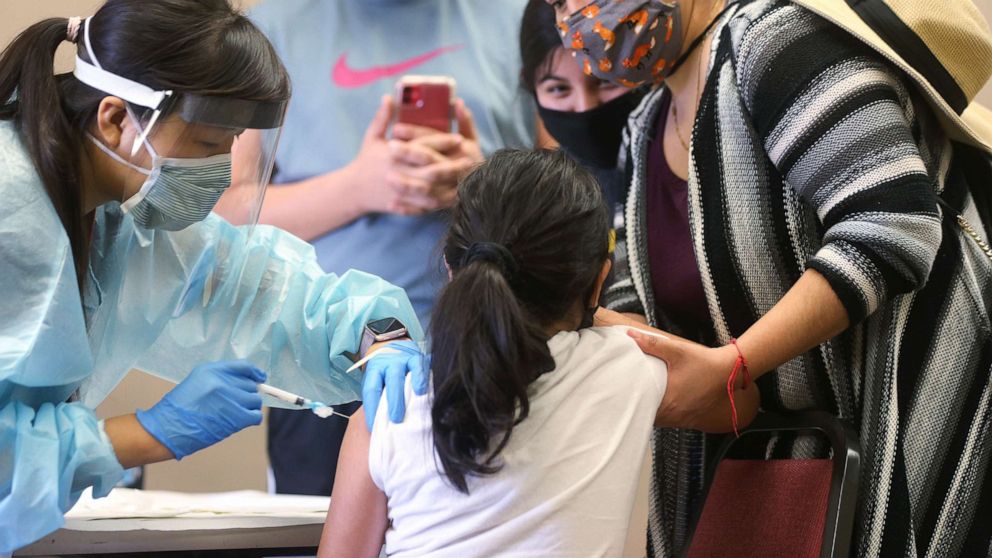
[
  {"x": 216, "y": 400},
  {"x": 389, "y": 370}
]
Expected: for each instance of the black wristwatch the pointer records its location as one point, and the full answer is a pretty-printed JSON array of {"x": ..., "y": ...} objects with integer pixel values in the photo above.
[{"x": 378, "y": 331}]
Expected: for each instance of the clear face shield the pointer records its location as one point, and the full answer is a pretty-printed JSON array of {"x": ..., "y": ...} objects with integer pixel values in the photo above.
[
  {"x": 164, "y": 303},
  {"x": 183, "y": 152},
  {"x": 206, "y": 150}
]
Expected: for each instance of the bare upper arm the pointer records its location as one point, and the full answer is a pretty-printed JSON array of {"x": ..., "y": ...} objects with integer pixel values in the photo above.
[{"x": 356, "y": 521}]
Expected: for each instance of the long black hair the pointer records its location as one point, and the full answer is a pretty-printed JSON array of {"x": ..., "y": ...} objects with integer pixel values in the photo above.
[
  {"x": 539, "y": 39},
  {"x": 528, "y": 238},
  {"x": 189, "y": 46}
]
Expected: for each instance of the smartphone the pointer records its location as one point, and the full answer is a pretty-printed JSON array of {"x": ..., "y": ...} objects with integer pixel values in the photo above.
[{"x": 426, "y": 101}]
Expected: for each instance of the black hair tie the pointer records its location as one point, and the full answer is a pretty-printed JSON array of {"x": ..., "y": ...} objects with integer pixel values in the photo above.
[{"x": 492, "y": 252}]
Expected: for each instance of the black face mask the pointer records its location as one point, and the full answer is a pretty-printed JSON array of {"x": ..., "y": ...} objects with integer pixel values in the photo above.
[{"x": 593, "y": 137}]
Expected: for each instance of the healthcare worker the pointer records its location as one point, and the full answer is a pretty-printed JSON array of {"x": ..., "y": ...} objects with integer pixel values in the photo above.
[{"x": 110, "y": 258}]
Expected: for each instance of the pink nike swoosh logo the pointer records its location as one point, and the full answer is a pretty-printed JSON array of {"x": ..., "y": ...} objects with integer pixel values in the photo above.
[{"x": 345, "y": 76}]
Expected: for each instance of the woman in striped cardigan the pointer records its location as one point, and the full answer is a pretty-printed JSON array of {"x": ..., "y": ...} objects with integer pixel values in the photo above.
[{"x": 785, "y": 189}]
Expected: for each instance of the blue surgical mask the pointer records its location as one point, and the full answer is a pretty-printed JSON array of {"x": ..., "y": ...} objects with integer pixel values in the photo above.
[{"x": 177, "y": 192}]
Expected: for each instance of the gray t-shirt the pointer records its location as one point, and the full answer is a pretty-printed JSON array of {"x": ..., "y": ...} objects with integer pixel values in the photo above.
[{"x": 342, "y": 56}]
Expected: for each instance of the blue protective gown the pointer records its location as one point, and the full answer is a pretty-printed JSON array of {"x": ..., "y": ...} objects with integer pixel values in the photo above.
[{"x": 158, "y": 301}]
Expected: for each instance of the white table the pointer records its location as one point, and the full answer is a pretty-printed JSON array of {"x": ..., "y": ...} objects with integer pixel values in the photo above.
[{"x": 135, "y": 522}]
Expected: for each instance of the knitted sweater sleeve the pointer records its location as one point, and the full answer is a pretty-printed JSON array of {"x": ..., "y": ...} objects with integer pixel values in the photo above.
[{"x": 839, "y": 125}]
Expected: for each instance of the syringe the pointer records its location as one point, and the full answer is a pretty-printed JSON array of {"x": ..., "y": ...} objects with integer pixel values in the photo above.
[{"x": 320, "y": 409}]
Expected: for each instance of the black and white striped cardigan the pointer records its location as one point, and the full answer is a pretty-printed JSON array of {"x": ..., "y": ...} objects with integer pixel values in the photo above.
[{"x": 809, "y": 151}]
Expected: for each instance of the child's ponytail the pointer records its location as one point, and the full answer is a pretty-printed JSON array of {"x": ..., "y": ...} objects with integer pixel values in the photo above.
[{"x": 528, "y": 239}]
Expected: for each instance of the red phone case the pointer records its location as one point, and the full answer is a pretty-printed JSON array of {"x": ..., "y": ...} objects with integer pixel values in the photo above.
[{"x": 425, "y": 103}]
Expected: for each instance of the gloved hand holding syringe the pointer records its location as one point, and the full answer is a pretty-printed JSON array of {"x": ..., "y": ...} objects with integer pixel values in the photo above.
[{"x": 218, "y": 399}]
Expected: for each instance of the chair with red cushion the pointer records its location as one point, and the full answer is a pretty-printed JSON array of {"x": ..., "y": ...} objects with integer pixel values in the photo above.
[{"x": 794, "y": 508}]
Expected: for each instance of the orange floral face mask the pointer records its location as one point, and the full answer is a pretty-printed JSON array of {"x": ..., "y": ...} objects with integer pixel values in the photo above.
[{"x": 627, "y": 43}]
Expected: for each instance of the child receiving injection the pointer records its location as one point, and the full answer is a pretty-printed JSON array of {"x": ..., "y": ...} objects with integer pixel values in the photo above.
[{"x": 531, "y": 439}]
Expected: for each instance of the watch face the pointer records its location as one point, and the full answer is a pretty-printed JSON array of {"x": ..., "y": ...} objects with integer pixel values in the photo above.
[{"x": 387, "y": 325}]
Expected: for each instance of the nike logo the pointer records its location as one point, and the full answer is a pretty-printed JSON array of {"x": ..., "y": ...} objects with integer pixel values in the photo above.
[{"x": 346, "y": 76}]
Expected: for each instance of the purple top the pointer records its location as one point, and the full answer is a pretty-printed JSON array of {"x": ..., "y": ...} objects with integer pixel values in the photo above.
[{"x": 675, "y": 279}]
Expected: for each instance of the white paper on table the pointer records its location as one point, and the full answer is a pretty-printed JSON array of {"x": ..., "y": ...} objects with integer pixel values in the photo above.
[{"x": 219, "y": 510}]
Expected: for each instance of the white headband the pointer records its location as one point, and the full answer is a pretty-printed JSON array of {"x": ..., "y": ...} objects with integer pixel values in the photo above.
[
  {"x": 131, "y": 91},
  {"x": 95, "y": 76}
]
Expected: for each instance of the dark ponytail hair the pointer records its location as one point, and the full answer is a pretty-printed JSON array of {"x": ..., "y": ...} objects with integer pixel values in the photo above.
[
  {"x": 27, "y": 70},
  {"x": 539, "y": 39},
  {"x": 189, "y": 46},
  {"x": 528, "y": 238}
]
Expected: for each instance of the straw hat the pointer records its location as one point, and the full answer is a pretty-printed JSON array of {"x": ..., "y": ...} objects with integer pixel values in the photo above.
[{"x": 945, "y": 46}]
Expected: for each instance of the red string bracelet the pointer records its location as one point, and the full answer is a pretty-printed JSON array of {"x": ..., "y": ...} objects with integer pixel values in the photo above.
[{"x": 739, "y": 365}]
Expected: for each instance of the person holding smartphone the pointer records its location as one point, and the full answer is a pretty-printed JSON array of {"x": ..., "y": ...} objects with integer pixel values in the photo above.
[{"x": 368, "y": 192}]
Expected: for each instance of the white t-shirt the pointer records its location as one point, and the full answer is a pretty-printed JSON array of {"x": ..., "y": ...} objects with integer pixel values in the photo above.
[{"x": 569, "y": 473}]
